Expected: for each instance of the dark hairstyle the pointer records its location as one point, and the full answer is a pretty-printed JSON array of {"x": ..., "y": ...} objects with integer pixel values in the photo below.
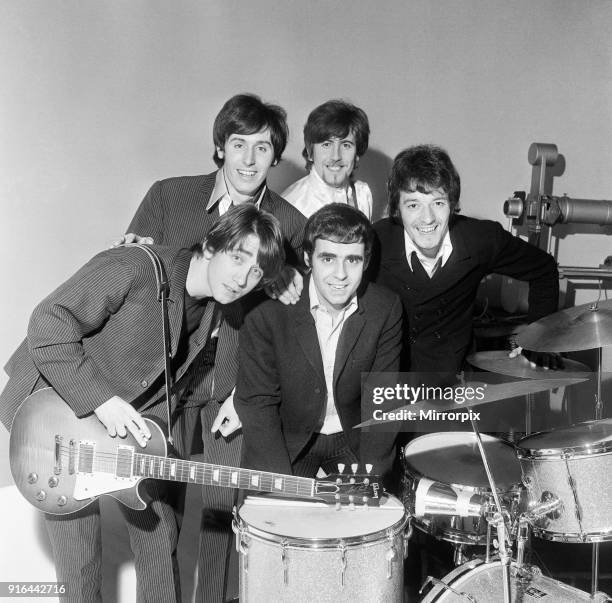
[
  {"x": 335, "y": 119},
  {"x": 423, "y": 168},
  {"x": 247, "y": 114},
  {"x": 339, "y": 223},
  {"x": 239, "y": 222}
]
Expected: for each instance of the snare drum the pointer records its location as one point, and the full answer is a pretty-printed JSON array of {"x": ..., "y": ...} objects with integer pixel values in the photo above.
[
  {"x": 482, "y": 582},
  {"x": 453, "y": 459},
  {"x": 573, "y": 464},
  {"x": 306, "y": 552}
]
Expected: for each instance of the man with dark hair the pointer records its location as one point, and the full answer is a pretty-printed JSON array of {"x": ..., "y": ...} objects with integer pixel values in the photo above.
[
  {"x": 336, "y": 135},
  {"x": 435, "y": 259},
  {"x": 97, "y": 340},
  {"x": 249, "y": 137},
  {"x": 298, "y": 392}
]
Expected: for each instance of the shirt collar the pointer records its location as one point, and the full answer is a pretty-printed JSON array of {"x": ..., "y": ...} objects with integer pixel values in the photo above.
[
  {"x": 446, "y": 248},
  {"x": 315, "y": 304},
  {"x": 220, "y": 195},
  {"x": 318, "y": 183}
]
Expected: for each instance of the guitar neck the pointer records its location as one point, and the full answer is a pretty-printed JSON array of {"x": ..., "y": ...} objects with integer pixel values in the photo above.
[{"x": 178, "y": 470}]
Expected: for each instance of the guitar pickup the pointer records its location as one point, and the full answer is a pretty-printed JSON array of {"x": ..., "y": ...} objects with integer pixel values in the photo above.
[{"x": 57, "y": 468}]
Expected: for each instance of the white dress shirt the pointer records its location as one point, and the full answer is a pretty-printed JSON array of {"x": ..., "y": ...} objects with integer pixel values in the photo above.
[
  {"x": 429, "y": 264},
  {"x": 329, "y": 329},
  {"x": 310, "y": 193},
  {"x": 221, "y": 194}
]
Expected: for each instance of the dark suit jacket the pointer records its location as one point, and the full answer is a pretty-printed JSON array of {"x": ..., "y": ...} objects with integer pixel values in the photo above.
[
  {"x": 438, "y": 311},
  {"x": 100, "y": 334},
  {"x": 173, "y": 212},
  {"x": 281, "y": 393}
]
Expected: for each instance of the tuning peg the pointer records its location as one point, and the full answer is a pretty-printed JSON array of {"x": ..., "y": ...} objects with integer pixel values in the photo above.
[
  {"x": 341, "y": 467},
  {"x": 368, "y": 468},
  {"x": 354, "y": 467}
]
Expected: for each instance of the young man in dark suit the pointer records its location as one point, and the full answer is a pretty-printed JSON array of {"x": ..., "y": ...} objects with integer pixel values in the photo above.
[
  {"x": 97, "y": 340},
  {"x": 298, "y": 392},
  {"x": 434, "y": 259},
  {"x": 249, "y": 138}
]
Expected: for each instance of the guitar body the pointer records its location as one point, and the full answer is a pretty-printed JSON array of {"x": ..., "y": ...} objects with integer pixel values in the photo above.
[{"x": 44, "y": 469}]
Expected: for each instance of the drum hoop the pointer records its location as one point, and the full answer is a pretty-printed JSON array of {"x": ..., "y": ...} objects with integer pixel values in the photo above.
[
  {"x": 484, "y": 490},
  {"x": 416, "y": 474},
  {"x": 572, "y": 537},
  {"x": 584, "y": 450},
  {"x": 453, "y": 535},
  {"x": 298, "y": 542}
]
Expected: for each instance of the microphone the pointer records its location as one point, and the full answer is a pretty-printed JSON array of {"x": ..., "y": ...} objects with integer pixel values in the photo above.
[{"x": 437, "y": 498}]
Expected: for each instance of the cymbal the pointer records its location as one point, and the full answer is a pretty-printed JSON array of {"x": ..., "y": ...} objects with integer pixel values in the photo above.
[
  {"x": 499, "y": 362},
  {"x": 492, "y": 393},
  {"x": 580, "y": 328}
]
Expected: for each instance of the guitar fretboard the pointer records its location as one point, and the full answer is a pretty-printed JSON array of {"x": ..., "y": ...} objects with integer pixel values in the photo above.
[{"x": 178, "y": 470}]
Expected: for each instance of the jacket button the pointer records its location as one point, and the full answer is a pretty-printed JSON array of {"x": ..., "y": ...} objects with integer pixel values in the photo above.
[
  {"x": 144, "y": 383},
  {"x": 317, "y": 390},
  {"x": 437, "y": 335},
  {"x": 417, "y": 317},
  {"x": 412, "y": 340}
]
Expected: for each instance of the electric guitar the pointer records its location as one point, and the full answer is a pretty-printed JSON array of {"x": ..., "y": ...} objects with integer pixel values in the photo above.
[{"x": 61, "y": 464}]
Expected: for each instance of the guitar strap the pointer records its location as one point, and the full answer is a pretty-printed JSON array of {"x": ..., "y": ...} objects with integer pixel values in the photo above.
[{"x": 163, "y": 288}]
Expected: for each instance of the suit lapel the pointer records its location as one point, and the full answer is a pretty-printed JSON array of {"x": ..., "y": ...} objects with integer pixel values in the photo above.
[
  {"x": 306, "y": 332},
  {"x": 176, "y": 297},
  {"x": 208, "y": 185},
  {"x": 351, "y": 330},
  {"x": 226, "y": 358}
]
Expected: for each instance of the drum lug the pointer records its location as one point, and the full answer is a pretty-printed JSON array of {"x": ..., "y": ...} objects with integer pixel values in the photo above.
[
  {"x": 285, "y": 562},
  {"x": 407, "y": 535},
  {"x": 342, "y": 549},
  {"x": 242, "y": 542},
  {"x": 390, "y": 556}
]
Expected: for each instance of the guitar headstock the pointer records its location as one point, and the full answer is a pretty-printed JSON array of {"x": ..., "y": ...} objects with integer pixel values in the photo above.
[{"x": 353, "y": 489}]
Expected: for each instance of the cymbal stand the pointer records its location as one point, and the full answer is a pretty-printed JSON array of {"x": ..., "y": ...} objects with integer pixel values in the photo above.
[
  {"x": 598, "y": 415},
  {"x": 498, "y": 518}
]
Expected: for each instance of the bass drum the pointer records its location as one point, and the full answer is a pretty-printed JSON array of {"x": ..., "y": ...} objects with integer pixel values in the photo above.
[
  {"x": 292, "y": 553},
  {"x": 480, "y": 582},
  {"x": 452, "y": 459}
]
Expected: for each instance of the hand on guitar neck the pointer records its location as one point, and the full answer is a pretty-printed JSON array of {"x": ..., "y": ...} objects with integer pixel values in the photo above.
[{"x": 119, "y": 417}]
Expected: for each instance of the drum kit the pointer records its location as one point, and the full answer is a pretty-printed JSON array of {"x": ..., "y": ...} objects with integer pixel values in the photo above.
[{"x": 465, "y": 488}]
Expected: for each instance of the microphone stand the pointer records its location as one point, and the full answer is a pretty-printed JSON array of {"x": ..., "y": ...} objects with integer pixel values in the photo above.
[{"x": 498, "y": 518}]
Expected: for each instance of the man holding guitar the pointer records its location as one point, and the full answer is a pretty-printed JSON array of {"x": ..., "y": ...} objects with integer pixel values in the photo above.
[{"x": 98, "y": 341}]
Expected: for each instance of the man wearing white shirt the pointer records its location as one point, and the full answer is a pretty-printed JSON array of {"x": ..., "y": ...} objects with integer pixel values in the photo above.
[
  {"x": 298, "y": 391},
  {"x": 336, "y": 135}
]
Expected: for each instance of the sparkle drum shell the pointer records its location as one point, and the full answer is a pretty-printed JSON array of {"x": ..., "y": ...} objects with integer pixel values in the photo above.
[
  {"x": 483, "y": 582},
  {"x": 573, "y": 464},
  {"x": 306, "y": 553},
  {"x": 453, "y": 458}
]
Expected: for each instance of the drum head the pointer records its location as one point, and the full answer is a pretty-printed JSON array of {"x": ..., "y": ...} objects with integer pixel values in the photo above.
[
  {"x": 454, "y": 458},
  {"x": 319, "y": 522},
  {"x": 591, "y": 436}
]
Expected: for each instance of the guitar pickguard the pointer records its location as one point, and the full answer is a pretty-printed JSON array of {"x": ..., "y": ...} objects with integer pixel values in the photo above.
[{"x": 93, "y": 484}]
